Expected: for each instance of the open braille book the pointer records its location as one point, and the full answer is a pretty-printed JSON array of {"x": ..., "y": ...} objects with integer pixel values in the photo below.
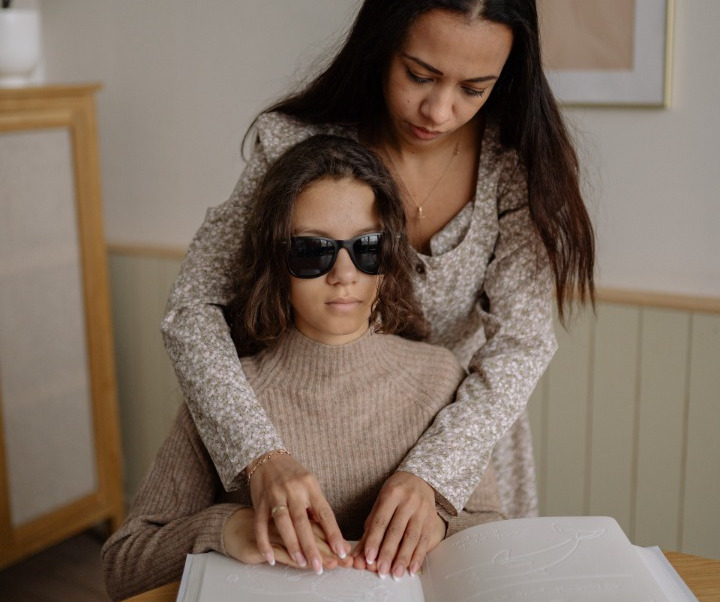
[{"x": 550, "y": 559}]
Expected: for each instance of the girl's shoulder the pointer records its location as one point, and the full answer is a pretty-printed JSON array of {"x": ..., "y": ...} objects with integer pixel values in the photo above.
[
  {"x": 431, "y": 372},
  {"x": 421, "y": 357},
  {"x": 277, "y": 132}
]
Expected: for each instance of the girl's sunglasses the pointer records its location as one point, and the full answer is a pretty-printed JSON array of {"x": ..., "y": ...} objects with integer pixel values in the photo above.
[{"x": 314, "y": 256}]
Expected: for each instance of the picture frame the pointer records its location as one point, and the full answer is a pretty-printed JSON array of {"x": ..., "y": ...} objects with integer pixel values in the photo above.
[{"x": 608, "y": 52}]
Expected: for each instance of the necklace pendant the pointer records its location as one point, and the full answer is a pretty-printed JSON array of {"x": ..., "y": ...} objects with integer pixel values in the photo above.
[{"x": 420, "y": 214}]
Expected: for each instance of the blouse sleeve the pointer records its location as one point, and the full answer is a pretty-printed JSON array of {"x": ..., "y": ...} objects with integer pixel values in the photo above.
[
  {"x": 231, "y": 422},
  {"x": 173, "y": 515},
  {"x": 516, "y": 307}
]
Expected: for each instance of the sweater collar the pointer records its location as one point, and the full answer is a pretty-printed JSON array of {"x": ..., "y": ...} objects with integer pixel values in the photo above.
[{"x": 299, "y": 357}]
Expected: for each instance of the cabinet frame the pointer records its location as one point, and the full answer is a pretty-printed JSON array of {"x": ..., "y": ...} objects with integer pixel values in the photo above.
[{"x": 73, "y": 109}]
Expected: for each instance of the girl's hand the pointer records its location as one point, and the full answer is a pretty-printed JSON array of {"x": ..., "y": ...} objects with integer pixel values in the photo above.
[
  {"x": 401, "y": 529},
  {"x": 288, "y": 497},
  {"x": 241, "y": 543}
]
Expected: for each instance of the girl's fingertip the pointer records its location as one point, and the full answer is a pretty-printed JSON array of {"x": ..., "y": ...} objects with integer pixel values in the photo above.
[
  {"x": 340, "y": 551},
  {"x": 317, "y": 566},
  {"x": 270, "y": 558}
]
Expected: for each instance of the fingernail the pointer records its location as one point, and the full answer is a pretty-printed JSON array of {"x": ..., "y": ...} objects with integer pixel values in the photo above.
[
  {"x": 270, "y": 557},
  {"x": 300, "y": 559},
  {"x": 413, "y": 569},
  {"x": 398, "y": 573},
  {"x": 340, "y": 551},
  {"x": 370, "y": 556},
  {"x": 384, "y": 569},
  {"x": 317, "y": 566},
  {"x": 381, "y": 575}
]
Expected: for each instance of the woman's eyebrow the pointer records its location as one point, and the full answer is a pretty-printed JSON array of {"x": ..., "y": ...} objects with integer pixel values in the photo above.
[{"x": 436, "y": 71}]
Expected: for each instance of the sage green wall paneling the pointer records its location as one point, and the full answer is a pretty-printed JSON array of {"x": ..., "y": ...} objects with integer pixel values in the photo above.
[
  {"x": 147, "y": 390},
  {"x": 537, "y": 413},
  {"x": 613, "y": 414},
  {"x": 569, "y": 392},
  {"x": 701, "y": 510},
  {"x": 171, "y": 398},
  {"x": 664, "y": 350}
]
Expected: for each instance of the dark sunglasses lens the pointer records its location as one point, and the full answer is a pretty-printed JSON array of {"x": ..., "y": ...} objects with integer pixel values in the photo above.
[
  {"x": 310, "y": 257},
  {"x": 366, "y": 250}
]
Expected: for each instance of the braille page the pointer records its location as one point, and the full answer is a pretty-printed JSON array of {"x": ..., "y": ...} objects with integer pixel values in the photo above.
[
  {"x": 213, "y": 577},
  {"x": 562, "y": 559}
]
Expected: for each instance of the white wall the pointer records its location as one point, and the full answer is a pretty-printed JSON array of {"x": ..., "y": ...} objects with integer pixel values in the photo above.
[
  {"x": 184, "y": 78},
  {"x": 656, "y": 198}
]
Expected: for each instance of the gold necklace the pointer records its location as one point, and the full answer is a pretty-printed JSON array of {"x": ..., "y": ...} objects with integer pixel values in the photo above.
[{"x": 420, "y": 213}]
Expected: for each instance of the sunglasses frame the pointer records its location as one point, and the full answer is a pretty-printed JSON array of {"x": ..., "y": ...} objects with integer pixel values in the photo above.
[{"x": 337, "y": 246}]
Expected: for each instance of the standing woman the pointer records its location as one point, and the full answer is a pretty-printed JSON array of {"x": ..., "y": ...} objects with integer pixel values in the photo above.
[{"x": 452, "y": 95}]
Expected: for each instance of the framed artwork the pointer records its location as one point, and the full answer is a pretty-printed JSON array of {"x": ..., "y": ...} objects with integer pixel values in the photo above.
[{"x": 608, "y": 52}]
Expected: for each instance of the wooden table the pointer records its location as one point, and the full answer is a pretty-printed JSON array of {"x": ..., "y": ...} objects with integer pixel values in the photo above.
[{"x": 701, "y": 574}]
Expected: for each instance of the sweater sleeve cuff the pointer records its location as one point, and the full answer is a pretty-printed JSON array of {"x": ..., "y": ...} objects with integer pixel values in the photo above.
[
  {"x": 465, "y": 520},
  {"x": 441, "y": 501},
  {"x": 211, "y": 526}
]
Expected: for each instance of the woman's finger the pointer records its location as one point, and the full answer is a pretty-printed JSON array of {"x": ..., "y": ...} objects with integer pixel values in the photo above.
[
  {"x": 305, "y": 537},
  {"x": 323, "y": 515},
  {"x": 286, "y": 529},
  {"x": 262, "y": 537},
  {"x": 418, "y": 556},
  {"x": 414, "y": 544},
  {"x": 375, "y": 527},
  {"x": 400, "y": 528}
]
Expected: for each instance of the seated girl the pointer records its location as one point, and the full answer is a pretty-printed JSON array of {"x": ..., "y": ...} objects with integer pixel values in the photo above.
[{"x": 325, "y": 293}]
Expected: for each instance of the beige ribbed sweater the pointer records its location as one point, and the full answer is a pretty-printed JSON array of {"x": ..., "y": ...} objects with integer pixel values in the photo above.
[{"x": 348, "y": 413}]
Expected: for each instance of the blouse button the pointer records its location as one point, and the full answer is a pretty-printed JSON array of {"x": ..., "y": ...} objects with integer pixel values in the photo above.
[{"x": 420, "y": 268}]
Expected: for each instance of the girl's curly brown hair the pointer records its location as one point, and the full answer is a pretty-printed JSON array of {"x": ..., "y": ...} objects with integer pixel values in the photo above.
[{"x": 260, "y": 312}]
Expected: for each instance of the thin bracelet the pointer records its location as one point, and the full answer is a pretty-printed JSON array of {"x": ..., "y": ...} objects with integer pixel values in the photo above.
[{"x": 264, "y": 459}]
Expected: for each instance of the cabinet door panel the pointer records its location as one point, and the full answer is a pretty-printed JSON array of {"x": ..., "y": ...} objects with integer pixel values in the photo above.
[{"x": 59, "y": 452}]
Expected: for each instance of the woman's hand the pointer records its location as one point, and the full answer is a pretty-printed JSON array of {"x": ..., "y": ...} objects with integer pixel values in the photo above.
[
  {"x": 287, "y": 496},
  {"x": 241, "y": 543},
  {"x": 401, "y": 529}
]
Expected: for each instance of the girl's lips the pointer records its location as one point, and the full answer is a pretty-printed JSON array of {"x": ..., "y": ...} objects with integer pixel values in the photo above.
[{"x": 343, "y": 304}]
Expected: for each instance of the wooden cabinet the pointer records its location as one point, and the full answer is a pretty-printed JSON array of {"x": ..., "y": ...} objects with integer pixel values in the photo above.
[{"x": 60, "y": 465}]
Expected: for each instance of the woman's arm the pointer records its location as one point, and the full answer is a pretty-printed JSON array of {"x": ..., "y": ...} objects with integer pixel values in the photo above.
[
  {"x": 230, "y": 420},
  {"x": 516, "y": 306},
  {"x": 450, "y": 458}
]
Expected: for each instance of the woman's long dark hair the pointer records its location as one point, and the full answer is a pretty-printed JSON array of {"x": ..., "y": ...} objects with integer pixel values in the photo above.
[
  {"x": 261, "y": 312},
  {"x": 350, "y": 92}
]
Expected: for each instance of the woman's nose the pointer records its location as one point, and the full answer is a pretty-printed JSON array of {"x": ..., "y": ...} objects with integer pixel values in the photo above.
[
  {"x": 344, "y": 270},
  {"x": 437, "y": 106}
]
